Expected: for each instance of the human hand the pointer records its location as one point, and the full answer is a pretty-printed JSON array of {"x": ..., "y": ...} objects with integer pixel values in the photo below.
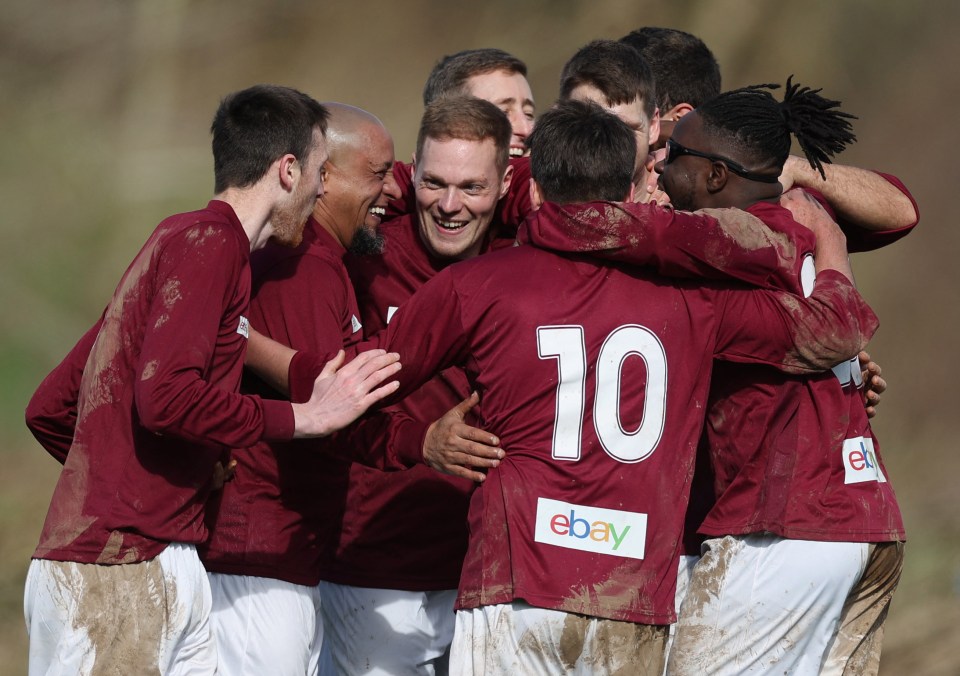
[
  {"x": 831, "y": 245},
  {"x": 873, "y": 384},
  {"x": 453, "y": 447},
  {"x": 222, "y": 475},
  {"x": 341, "y": 394}
]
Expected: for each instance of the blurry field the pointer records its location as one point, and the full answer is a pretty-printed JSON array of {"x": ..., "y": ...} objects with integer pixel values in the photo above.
[{"x": 103, "y": 130}]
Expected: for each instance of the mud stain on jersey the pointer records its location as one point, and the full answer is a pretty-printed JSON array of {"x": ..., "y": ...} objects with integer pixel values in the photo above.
[
  {"x": 833, "y": 326},
  {"x": 111, "y": 553},
  {"x": 749, "y": 231},
  {"x": 66, "y": 519},
  {"x": 149, "y": 370}
]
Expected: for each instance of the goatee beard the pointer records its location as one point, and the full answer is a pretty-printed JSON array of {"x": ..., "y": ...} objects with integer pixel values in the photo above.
[{"x": 367, "y": 242}]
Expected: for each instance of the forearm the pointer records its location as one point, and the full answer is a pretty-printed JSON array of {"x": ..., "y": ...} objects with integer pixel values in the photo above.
[
  {"x": 831, "y": 326},
  {"x": 51, "y": 414},
  {"x": 711, "y": 244},
  {"x": 270, "y": 361},
  {"x": 860, "y": 197}
]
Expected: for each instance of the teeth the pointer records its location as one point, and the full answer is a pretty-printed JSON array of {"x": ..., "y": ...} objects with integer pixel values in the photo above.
[
  {"x": 516, "y": 152},
  {"x": 378, "y": 211},
  {"x": 451, "y": 225}
]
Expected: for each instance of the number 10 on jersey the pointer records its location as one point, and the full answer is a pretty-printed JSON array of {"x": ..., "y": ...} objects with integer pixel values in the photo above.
[{"x": 566, "y": 345}]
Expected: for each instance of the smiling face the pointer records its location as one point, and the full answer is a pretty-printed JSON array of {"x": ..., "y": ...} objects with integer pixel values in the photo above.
[
  {"x": 358, "y": 183},
  {"x": 457, "y": 186},
  {"x": 289, "y": 218},
  {"x": 510, "y": 92}
]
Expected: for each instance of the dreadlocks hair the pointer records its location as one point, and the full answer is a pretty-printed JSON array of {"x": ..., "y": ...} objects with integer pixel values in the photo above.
[{"x": 759, "y": 126}]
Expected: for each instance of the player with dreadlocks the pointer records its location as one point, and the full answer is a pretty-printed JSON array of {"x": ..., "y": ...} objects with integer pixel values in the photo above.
[
  {"x": 805, "y": 539},
  {"x": 806, "y": 536}
]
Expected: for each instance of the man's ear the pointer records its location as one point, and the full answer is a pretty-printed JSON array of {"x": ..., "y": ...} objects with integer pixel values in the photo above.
[
  {"x": 678, "y": 111},
  {"x": 718, "y": 177},
  {"x": 413, "y": 168},
  {"x": 288, "y": 171},
  {"x": 654, "y": 134},
  {"x": 536, "y": 195},
  {"x": 506, "y": 181}
]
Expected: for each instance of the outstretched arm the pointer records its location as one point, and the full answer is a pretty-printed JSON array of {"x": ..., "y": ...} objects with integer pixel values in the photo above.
[
  {"x": 711, "y": 244},
  {"x": 860, "y": 197}
]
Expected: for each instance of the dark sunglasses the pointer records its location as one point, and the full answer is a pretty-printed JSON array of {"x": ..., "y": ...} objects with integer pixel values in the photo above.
[{"x": 675, "y": 150}]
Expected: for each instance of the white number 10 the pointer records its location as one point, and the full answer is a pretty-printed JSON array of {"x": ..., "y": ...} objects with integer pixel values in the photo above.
[{"x": 566, "y": 345}]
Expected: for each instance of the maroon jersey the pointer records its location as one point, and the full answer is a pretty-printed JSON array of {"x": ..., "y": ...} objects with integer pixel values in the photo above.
[
  {"x": 796, "y": 456},
  {"x": 52, "y": 411},
  {"x": 595, "y": 378},
  {"x": 382, "y": 513},
  {"x": 793, "y": 456},
  {"x": 273, "y": 518},
  {"x": 158, "y": 401}
]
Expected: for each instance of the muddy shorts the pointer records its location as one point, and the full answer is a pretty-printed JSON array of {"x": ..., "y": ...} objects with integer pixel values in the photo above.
[
  {"x": 760, "y": 604},
  {"x": 135, "y": 618},
  {"x": 516, "y": 638}
]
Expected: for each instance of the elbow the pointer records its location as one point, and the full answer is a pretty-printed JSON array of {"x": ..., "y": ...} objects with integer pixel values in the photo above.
[
  {"x": 822, "y": 350},
  {"x": 157, "y": 411}
]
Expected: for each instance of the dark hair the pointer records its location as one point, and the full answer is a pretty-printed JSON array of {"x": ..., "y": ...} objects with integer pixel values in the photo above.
[
  {"x": 614, "y": 68},
  {"x": 254, "y": 127},
  {"x": 467, "y": 118},
  {"x": 579, "y": 152},
  {"x": 449, "y": 77},
  {"x": 683, "y": 67},
  {"x": 757, "y": 125}
]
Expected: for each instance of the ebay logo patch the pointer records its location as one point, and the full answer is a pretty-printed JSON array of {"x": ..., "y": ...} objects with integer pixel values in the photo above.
[
  {"x": 591, "y": 529},
  {"x": 860, "y": 461}
]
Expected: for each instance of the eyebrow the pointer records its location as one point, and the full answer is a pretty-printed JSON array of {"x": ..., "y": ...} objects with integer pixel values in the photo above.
[
  {"x": 433, "y": 178},
  {"x": 513, "y": 99}
]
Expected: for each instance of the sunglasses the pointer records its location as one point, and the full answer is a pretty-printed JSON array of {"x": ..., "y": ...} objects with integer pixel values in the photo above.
[{"x": 675, "y": 150}]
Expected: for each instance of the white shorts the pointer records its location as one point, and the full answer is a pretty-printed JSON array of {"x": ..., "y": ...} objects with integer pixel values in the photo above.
[
  {"x": 134, "y": 618},
  {"x": 265, "y": 626},
  {"x": 385, "y": 631},
  {"x": 517, "y": 638},
  {"x": 856, "y": 647},
  {"x": 684, "y": 573},
  {"x": 763, "y": 604}
]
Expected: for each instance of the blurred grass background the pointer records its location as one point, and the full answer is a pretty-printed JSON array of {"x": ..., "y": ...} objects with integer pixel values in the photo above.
[{"x": 104, "y": 119}]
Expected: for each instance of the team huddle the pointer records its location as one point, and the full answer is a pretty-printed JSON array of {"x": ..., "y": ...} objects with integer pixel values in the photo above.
[{"x": 576, "y": 394}]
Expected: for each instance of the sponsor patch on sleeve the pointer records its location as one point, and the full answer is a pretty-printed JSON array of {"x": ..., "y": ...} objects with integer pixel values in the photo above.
[
  {"x": 591, "y": 529},
  {"x": 243, "y": 328}
]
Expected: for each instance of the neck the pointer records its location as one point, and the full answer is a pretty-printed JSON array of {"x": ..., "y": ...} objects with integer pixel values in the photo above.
[
  {"x": 252, "y": 210},
  {"x": 327, "y": 221},
  {"x": 747, "y": 196}
]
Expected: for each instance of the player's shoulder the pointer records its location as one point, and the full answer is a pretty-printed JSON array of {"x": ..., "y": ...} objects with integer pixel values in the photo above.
[{"x": 201, "y": 233}]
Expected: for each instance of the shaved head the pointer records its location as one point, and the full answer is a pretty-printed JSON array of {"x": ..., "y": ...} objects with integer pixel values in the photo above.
[
  {"x": 358, "y": 177},
  {"x": 346, "y": 126}
]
